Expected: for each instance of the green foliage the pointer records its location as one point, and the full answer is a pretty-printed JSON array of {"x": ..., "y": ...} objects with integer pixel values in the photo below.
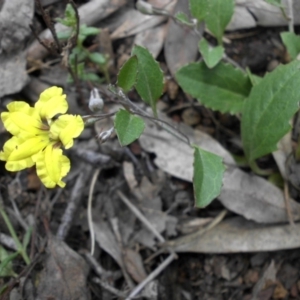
[
  {"x": 253, "y": 78},
  {"x": 222, "y": 88},
  {"x": 69, "y": 19},
  {"x": 208, "y": 174},
  {"x": 268, "y": 109},
  {"x": 211, "y": 55},
  {"x": 128, "y": 74},
  {"x": 292, "y": 43},
  {"x": 149, "y": 84},
  {"x": 199, "y": 9},
  {"x": 128, "y": 127},
  {"x": 97, "y": 58},
  {"x": 80, "y": 54},
  {"x": 6, "y": 268},
  {"x": 216, "y": 14},
  {"x": 182, "y": 18}
]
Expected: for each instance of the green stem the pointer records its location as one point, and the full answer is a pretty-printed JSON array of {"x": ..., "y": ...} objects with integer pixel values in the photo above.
[{"x": 12, "y": 232}]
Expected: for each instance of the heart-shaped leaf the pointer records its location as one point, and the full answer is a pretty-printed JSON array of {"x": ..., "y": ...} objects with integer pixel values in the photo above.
[
  {"x": 208, "y": 174},
  {"x": 292, "y": 43},
  {"x": 149, "y": 84},
  {"x": 128, "y": 127},
  {"x": 211, "y": 55},
  {"x": 128, "y": 73}
]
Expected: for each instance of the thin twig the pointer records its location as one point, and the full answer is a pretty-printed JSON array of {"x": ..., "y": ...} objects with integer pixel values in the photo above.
[
  {"x": 75, "y": 199},
  {"x": 290, "y": 13},
  {"x": 194, "y": 236},
  {"x": 89, "y": 209},
  {"x": 287, "y": 204},
  {"x": 49, "y": 24},
  {"x": 141, "y": 217},
  {"x": 108, "y": 287},
  {"x": 34, "y": 230},
  {"x": 49, "y": 49},
  {"x": 151, "y": 276},
  {"x": 75, "y": 37},
  {"x": 111, "y": 275}
]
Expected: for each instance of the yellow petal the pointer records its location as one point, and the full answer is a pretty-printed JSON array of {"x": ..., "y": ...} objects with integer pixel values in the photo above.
[
  {"x": 14, "y": 165},
  {"x": 65, "y": 128},
  {"x": 52, "y": 166},
  {"x": 52, "y": 101},
  {"x": 21, "y": 119}
]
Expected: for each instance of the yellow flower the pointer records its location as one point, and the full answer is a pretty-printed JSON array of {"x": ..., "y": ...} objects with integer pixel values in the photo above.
[{"x": 37, "y": 137}]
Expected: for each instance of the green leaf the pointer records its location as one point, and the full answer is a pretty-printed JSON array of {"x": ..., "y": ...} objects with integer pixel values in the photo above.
[
  {"x": 183, "y": 18},
  {"x": 69, "y": 18},
  {"x": 218, "y": 16},
  {"x": 6, "y": 268},
  {"x": 26, "y": 238},
  {"x": 253, "y": 78},
  {"x": 92, "y": 77},
  {"x": 128, "y": 74},
  {"x": 208, "y": 175},
  {"x": 149, "y": 84},
  {"x": 87, "y": 31},
  {"x": 64, "y": 35},
  {"x": 199, "y": 9},
  {"x": 275, "y": 2},
  {"x": 97, "y": 58},
  {"x": 268, "y": 109},
  {"x": 292, "y": 43},
  {"x": 211, "y": 55},
  {"x": 222, "y": 88},
  {"x": 128, "y": 127}
]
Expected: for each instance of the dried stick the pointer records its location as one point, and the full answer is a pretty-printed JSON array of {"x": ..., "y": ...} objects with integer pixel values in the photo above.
[
  {"x": 114, "y": 275},
  {"x": 151, "y": 276},
  {"x": 287, "y": 204},
  {"x": 290, "y": 13},
  {"x": 75, "y": 198},
  {"x": 141, "y": 217},
  {"x": 89, "y": 210},
  {"x": 109, "y": 287}
]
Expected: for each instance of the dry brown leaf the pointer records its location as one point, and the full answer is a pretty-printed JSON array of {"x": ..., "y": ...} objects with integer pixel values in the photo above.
[
  {"x": 152, "y": 39},
  {"x": 255, "y": 198},
  {"x": 64, "y": 276},
  {"x": 284, "y": 150},
  {"x": 252, "y": 13},
  {"x": 239, "y": 235},
  {"x": 134, "y": 265},
  {"x": 146, "y": 192},
  {"x": 107, "y": 241},
  {"x": 267, "y": 280},
  {"x": 135, "y": 22},
  {"x": 160, "y": 221},
  {"x": 181, "y": 45}
]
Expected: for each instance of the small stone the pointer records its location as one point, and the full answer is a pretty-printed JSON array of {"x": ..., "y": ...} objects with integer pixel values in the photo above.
[{"x": 191, "y": 117}]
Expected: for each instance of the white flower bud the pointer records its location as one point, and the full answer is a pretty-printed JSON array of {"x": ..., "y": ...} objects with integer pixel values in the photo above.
[
  {"x": 95, "y": 102},
  {"x": 104, "y": 135},
  {"x": 144, "y": 7}
]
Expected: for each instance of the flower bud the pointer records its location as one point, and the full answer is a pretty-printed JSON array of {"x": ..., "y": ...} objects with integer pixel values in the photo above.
[
  {"x": 95, "y": 102},
  {"x": 144, "y": 7},
  {"x": 104, "y": 135}
]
